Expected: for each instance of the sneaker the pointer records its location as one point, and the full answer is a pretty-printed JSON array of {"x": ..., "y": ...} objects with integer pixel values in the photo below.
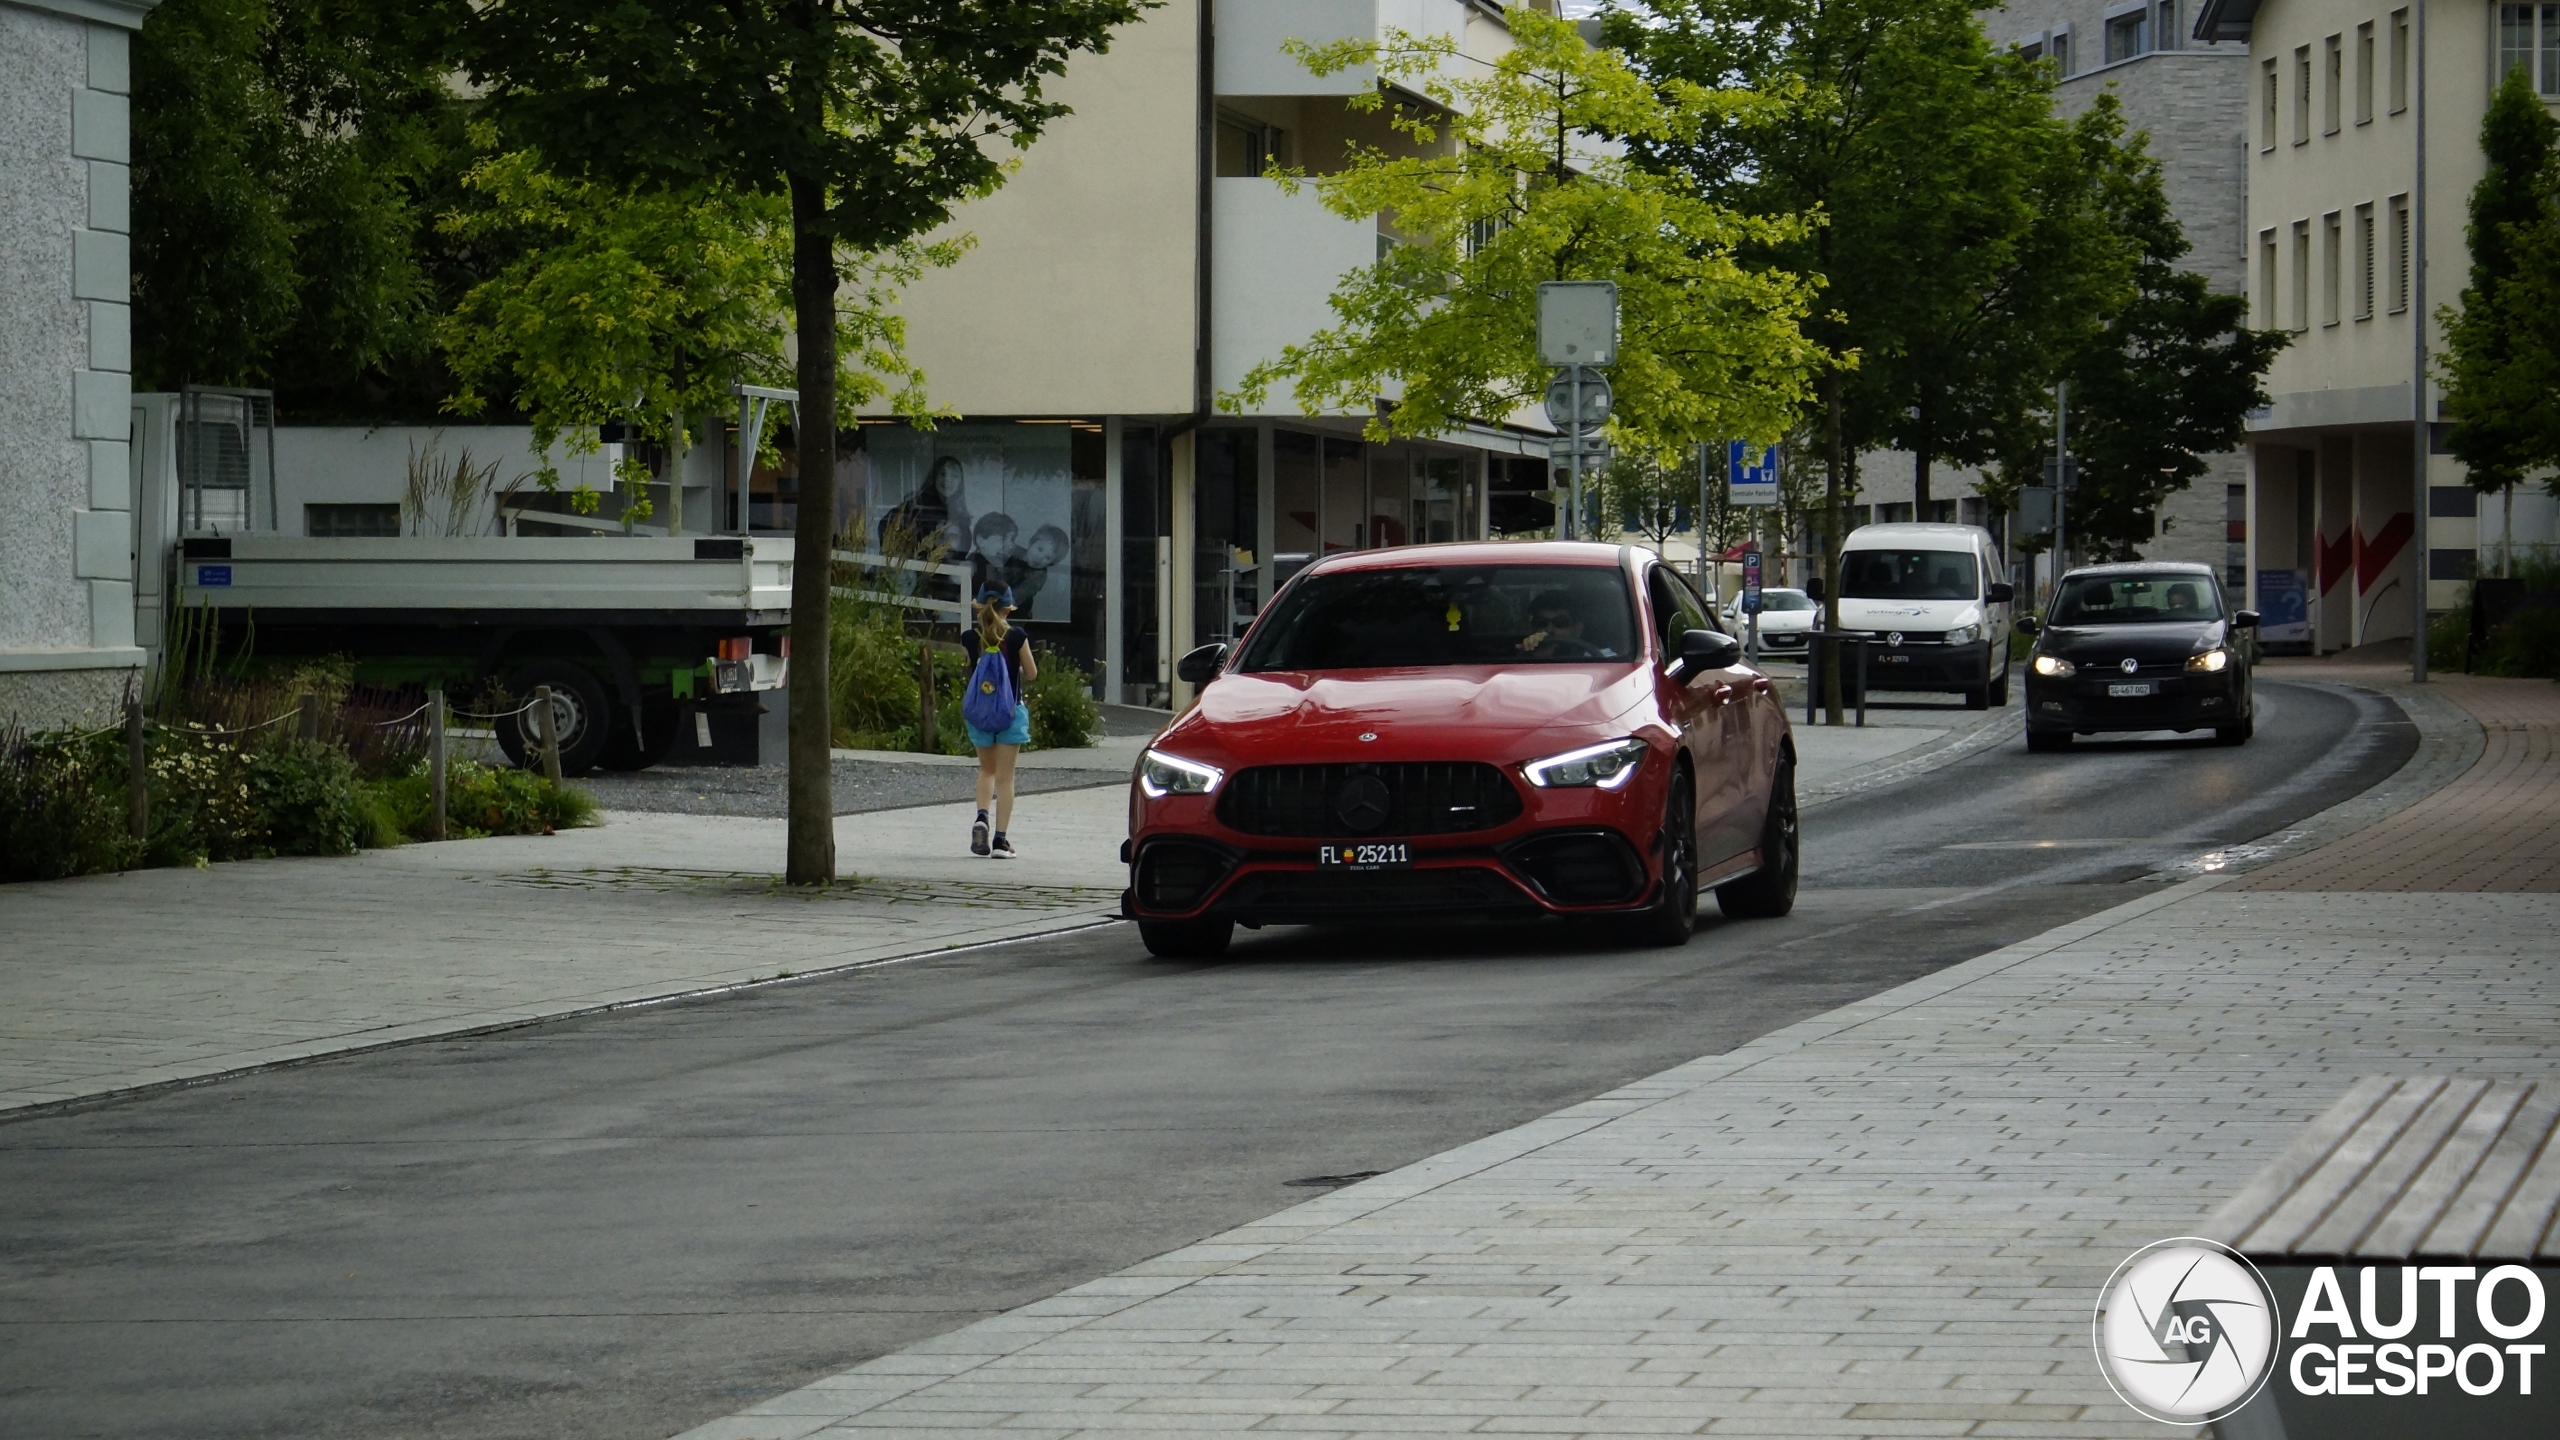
[
  {"x": 978, "y": 838},
  {"x": 1003, "y": 848}
]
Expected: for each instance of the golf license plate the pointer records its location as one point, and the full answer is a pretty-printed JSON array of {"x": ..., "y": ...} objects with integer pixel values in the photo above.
[
  {"x": 1394, "y": 855},
  {"x": 2141, "y": 688}
]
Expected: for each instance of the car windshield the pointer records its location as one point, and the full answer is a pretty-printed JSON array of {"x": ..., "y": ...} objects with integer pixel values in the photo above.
[
  {"x": 2157, "y": 599},
  {"x": 1451, "y": 615},
  {"x": 1774, "y": 600},
  {"x": 1908, "y": 575}
]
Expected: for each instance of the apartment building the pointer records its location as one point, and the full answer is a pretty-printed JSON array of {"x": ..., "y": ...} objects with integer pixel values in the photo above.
[
  {"x": 2356, "y": 239},
  {"x": 1132, "y": 271},
  {"x": 67, "y": 648}
]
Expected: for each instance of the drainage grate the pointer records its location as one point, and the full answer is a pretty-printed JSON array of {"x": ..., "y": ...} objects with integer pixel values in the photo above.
[{"x": 1333, "y": 1182}]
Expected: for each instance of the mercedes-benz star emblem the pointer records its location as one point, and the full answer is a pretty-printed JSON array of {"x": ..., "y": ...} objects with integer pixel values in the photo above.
[
  {"x": 1368, "y": 735},
  {"x": 1362, "y": 803},
  {"x": 1893, "y": 638},
  {"x": 2128, "y": 665}
]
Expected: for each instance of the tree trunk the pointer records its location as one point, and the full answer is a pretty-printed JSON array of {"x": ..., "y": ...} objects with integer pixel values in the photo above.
[
  {"x": 812, "y": 847},
  {"x": 1831, "y": 519}
]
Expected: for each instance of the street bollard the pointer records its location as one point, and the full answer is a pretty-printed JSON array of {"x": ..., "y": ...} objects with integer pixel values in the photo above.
[
  {"x": 548, "y": 727},
  {"x": 435, "y": 762},
  {"x": 137, "y": 774}
]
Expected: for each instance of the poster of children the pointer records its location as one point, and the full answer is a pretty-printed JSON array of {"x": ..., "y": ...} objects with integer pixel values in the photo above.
[{"x": 1002, "y": 497}]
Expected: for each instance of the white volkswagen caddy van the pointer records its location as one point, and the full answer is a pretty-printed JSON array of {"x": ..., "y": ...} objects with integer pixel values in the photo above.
[{"x": 1934, "y": 598}]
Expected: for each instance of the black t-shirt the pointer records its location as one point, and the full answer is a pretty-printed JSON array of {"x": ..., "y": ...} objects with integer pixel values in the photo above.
[{"x": 1017, "y": 644}]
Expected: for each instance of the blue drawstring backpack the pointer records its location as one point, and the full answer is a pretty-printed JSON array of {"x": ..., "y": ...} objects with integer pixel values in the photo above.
[{"x": 990, "y": 702}]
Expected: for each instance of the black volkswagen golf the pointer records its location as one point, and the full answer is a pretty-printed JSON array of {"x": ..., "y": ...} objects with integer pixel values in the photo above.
[{"x": 2143, "y": 646}]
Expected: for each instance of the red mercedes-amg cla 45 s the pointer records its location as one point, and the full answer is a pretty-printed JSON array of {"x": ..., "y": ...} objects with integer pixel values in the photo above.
[{"x": 1480, "y": 731}]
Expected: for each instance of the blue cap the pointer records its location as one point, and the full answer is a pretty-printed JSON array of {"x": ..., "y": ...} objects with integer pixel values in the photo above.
[{"x": 1001, "y": 594}]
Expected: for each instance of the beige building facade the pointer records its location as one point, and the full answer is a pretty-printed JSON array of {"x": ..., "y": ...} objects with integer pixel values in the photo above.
[{"x": 2355, "y": 227}]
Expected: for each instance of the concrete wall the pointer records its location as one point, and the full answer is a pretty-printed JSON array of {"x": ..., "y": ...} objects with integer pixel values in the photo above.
[
  {"x": 66, "y": 565},
  {"x": 1277, "y": 259},
  {"x": 318, "y": 465}
]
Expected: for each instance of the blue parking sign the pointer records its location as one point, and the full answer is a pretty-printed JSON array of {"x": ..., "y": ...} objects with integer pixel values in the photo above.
[{"x": 1751, "y": 473}]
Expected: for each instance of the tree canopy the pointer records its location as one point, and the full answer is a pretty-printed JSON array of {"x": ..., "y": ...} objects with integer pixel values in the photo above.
[{"x": 2501, "y": 362}]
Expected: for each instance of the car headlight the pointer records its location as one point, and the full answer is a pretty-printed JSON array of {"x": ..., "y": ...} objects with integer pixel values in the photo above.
[
  {"x": 2210, "y": 661},
  {"x": 1607, "y": 766},
  {"x": 1160, "y": 775},
  {"x": 2054, "y": 665},
  {"x": 1963, "y": 633}
]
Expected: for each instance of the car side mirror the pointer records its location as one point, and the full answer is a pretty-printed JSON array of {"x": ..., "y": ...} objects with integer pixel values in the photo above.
[
  {"x": 1999, "y": 593},
  {"x": 1813, "y": 587},
  {"x": 1201, "y": 666},
  {"x": 2027, "y": 625},
  {"x": 1707, "y": 650},
  {"x": 2245, "y": 619}
]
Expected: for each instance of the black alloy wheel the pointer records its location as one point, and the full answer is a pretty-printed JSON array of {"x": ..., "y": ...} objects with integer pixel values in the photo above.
[
  {"x": 580, "y": 723},
  {"x": 1674, "y": 916},
  {"x": 1770, "y": 891},
  {"x": 2236, "y": 734},
  {"x": 1187, "y": 939}
]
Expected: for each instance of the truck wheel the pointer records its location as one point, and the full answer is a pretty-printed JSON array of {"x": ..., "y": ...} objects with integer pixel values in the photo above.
[
  {"x": 658, "y": 726},
  {"x": 578, "y": 716},
  {"x": 1186, "y": 939}
]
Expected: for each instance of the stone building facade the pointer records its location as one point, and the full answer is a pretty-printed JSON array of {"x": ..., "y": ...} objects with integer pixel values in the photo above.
[{"x": 67, "y": 652}]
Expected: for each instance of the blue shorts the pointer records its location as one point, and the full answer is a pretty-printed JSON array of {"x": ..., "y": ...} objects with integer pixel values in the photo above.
[{"x": 1017, "y": 733}]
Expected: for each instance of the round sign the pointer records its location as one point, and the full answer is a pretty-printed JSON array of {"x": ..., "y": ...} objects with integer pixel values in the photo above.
[
  {"x": 2185, "y": 1330},
  {"x": 1596, "y": 401}
]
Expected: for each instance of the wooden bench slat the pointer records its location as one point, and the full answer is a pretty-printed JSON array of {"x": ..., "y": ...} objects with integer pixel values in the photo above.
[
  {"x": 2524, "y": 1226},
  {"x": 2236, "y": 1222},
  {"x": 2464, "y": 1227},
  {"x": 2430, "y": 1191},
  {"x": 2400, "y": 1156}
]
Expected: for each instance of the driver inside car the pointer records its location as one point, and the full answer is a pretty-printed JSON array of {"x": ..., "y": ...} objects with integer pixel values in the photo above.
[{"x": 1559, "y": 632}]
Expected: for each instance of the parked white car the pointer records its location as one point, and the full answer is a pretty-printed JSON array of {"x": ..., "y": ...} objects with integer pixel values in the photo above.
[{"x": 1785, "y": 618}]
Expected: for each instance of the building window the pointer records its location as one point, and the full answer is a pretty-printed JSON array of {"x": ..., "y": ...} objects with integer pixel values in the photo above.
[
  {"x": 2364, "y": 262},
  {"x": 2061, "y": 52},
  {"x": 351, "y": 522},
  {"x": 2165, "y": 35},
  {"x": 2301, "y": 274},
  {"x": 2399, "y": 61},
  {"x": 2268, "y": 319},
  {"x": 2364, "y": 73},
  {"x": 2235, "y": 539},
  {"x": 2267, "y": 83},
  {"x": 2400, "y": 238},
  {"x": 2029, "y": 49},
  {"x": 2128, "y": 35},
  {"x": 1248, "y": 147},
  {"x": 2335, "y": 59},
  {"x": 2529, "y": 35},
  {"x": 2302, "y": 95},
  {"x": 2332, "y": 263}
]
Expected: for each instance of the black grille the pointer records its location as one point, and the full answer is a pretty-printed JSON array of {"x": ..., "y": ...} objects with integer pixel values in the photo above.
[
  {"x": 1173, "y": 875},
  {"x": 1434, "y": 797},
  {"x": 1302, "y": 896},
  {"x": 1580, "y": 868}
]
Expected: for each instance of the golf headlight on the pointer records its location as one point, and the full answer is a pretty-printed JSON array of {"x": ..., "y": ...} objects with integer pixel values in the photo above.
[
  {"x": 1160, "y": 775},
  {"x": 2054, "y": 665},
  {"x": 1607, "y": 766},
  {"x": 2211, "y": 661}
]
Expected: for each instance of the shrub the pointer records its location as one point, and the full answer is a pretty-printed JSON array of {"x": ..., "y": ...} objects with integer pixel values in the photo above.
[
  {"x": 62, "y": 806},
  {"x": 871, "y": 672},
  {"x": 481, "y": 800},
  {"x": 1063, "y": 714}
]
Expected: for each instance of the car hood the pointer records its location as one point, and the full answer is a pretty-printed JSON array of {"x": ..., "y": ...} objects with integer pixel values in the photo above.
[
  {"x": 1425, "y": 713},
  {"x": 2146, "y": 644},
  {"x": 1890, "y": 615}
]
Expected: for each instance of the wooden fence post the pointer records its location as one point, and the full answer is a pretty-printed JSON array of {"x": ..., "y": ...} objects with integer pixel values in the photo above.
[
  {"x": 137, "y": 773},
  {"x": 435, "y": 761},
  {"x": 924, "y": 697},
  {"x": 548, "y": 727},
  {"x": 309, "y": 704}
]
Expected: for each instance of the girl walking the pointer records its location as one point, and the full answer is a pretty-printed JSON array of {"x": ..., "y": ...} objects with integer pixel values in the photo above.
[{"x": 997, "y": 748}]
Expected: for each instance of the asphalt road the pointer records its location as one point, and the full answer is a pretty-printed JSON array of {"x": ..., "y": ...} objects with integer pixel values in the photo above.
[{"x": 626, "y": 1225}]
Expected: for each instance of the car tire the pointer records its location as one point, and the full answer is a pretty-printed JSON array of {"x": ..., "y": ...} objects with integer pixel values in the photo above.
[
  {"x": 1674, "y": 916},
  {"x": 1770, "y": 891},
  {"x": 1186, "y": 939},
  {"x": 2236, "y": 734},
  {"x": 577, "y": 708},
  {"x": 2000, "y": 687},
  {"x": 2045, "y": 741},
  {"x": 658, "y": 725}
]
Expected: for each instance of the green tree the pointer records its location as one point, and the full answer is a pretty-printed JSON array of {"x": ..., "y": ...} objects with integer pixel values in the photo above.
[
  {"x": 287, "y": 155},
  {"x": 2501, "y": 363},
  {"x": 1507, "y": 191},
  {"x": 646, "y": 307},
  {"x": 872, "y": 117},
  {"x": 1638, "y": 494}
]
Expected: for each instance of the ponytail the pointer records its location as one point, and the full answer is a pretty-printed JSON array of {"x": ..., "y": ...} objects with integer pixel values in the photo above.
[{"x": 991, "y": 623}]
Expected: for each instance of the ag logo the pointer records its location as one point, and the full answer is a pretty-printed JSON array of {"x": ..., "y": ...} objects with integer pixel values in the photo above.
[{"x": 2185, "y": 1331}]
